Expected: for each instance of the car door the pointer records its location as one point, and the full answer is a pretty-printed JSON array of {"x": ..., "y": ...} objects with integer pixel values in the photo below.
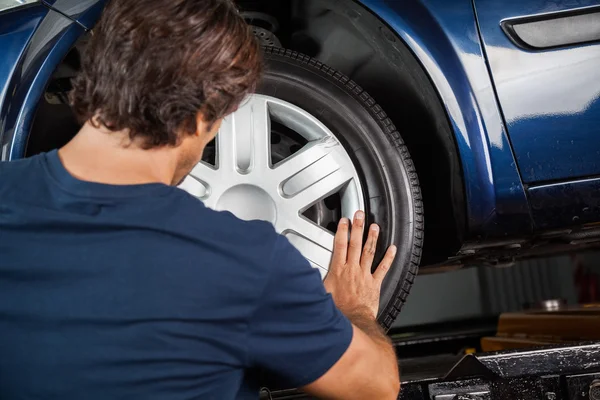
[{"x": 544, "y": 58}]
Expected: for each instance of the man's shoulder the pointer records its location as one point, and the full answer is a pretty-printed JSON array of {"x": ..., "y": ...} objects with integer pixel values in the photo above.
[
  {"x": 19, "y": 174},
  {"x": 21, "y": 165}
]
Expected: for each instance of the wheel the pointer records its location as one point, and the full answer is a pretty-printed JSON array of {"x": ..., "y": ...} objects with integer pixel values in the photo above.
[{"x": 309, "y": 148}]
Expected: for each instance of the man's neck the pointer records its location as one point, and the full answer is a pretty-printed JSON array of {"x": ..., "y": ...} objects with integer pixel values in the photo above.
[{"x": 98, "y": 155}]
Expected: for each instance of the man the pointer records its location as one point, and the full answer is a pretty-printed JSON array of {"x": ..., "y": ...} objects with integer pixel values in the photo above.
[{"x": 114, "y": 284}]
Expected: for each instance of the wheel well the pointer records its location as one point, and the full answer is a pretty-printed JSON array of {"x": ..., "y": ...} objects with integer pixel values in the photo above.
[
  {"x": 54, "y": 123},
  {"x": 347, "y": 37}
]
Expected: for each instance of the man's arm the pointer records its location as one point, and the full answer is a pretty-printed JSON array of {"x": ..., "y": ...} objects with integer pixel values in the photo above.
[
  {"x": 325, "y": 338},
  {"x": 368, "y": 368}
]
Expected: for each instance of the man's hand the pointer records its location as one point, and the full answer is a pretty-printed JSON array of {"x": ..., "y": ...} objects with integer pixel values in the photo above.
[
  {"x": 354, "y": 288},
  {"x": 369, "y": 368}
]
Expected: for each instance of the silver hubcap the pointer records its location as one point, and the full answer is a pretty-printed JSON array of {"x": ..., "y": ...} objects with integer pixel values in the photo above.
[{"x": 245, "y": 182}]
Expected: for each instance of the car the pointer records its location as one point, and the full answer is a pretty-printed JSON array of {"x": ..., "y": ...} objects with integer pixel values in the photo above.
[{"x": 470, "y": 131}]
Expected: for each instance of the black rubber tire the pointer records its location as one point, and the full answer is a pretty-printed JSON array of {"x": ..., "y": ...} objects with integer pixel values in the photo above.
[{"x": 387, "y": 173}]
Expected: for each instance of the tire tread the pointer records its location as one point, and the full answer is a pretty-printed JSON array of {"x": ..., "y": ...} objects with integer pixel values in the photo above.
[{"x": 390, "y": 312}]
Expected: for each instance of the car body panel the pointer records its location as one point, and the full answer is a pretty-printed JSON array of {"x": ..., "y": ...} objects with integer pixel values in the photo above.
[
  {"x": 16, "y": 31},
  {"x": 85, "y": 12},
  {"x": 43, "y": 46},
  {"x": 550, "y": 97},
  {"x": 443, "y": 35},
  {"x": 560, "y": 205}
]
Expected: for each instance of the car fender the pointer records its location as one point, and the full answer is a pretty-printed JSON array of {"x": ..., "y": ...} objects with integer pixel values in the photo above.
[
  {"x": 44, "y": 37},
  {"x": 16, "y": 31},
  {"x": 85, "y": 12},
  {"x": 444, "y": 37}
]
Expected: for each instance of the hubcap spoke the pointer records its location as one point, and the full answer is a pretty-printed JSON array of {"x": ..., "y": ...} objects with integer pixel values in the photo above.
[
  {"x": 309, "y": 191},
  {"x": 310, "y": 155},
  {"x": 313, "y": 242},
  {"x": 312, "y": 232},
  {"x": 245, "y": 139},
  {"x": 226, "y": 145},
  {"x": 195, "y": 187},
  {"x": 205, "y": 173},
  {"x": 260, "y": 136},
  {"x": 313, "y": 173},
  {"x": 202, "y": 182}
]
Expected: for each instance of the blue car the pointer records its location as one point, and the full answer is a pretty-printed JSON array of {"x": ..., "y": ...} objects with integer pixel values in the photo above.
[{"x": 469, "y": 130}]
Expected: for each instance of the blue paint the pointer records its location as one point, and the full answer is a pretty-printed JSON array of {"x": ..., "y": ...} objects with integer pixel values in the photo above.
[
  {"x": 500, "y": 134},
  {"x": 16, "y": 30},
  {"x": 550, "y": 99},
  {"x": 85, "y": 12},
  {"x": 443, "y": 35},
  {"x": 570, "y": 204},
  {"x": 53, "y": 37}
]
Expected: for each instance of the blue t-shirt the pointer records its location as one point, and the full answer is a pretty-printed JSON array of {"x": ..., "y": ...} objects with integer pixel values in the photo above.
[{"x": 141, "y": 292}]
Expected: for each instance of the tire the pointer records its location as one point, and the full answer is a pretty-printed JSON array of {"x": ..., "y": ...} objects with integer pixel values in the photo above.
[{"x": 388, "y": 177}]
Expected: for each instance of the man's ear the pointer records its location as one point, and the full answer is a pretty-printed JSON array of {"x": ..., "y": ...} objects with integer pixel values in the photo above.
[{"x": 202, "y": 127}]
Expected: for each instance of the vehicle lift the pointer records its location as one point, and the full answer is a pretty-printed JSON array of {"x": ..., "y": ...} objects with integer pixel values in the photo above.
[
  {"x": 554, "y": 373},
  {"x": 559, "y": 369}
]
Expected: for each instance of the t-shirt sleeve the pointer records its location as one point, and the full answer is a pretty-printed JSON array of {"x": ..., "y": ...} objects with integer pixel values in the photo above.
[{"x": 297, "y": 333}]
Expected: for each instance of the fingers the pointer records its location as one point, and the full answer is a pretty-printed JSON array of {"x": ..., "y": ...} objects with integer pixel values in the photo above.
[
  {"x": 385, "y": 264},
  {"x": 366, "y": 260},
  {"x": 340, "y": 243},
  {"x": 356, "y": 236}
]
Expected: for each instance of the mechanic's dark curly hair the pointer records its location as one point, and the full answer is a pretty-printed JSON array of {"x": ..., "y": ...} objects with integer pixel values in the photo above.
[{"x": 152, "y": 65}]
